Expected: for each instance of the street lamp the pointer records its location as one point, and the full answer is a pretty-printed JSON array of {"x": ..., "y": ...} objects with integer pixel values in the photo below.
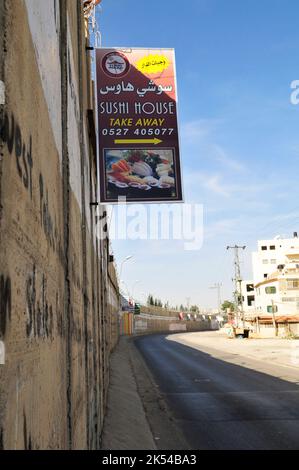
[
  {"x": 144, "y": 297},
  {"x": 133, "y": 287},
  {"x": 126, "y": 287},
  {"x": 123, "y": 261}
]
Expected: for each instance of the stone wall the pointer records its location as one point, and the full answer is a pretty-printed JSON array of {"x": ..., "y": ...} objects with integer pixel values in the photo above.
[{"x": 58, "y": 303}]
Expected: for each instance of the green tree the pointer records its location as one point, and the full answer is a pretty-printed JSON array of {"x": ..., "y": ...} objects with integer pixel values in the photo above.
[
  {"x": 228, "y": 304},
  {"x": 194, "y": 308}
]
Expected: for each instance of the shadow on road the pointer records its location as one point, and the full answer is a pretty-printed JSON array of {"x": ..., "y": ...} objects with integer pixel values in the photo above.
[{"x": 220, "y": 405}]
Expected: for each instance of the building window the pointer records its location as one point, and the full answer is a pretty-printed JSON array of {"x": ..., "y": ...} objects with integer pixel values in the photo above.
[
  {"x": 270, "y": 290},
  {"x": 265, "y": 275},
  {"x": 264, "y": 248},
  {"x": 250, "y": 300},
  {"x": 289, "y": 299},
  {"x": 265, "y": 261},
  {"x": 293, "y": 283},
  {"x": 273, "y": 261},
  {"x": 249, "y": 287},
  {"x": 269, "y": 308},
  {"x": 272, "y": 247}
]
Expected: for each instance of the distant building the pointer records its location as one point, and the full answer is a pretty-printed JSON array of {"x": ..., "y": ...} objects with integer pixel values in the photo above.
[
  {"x": 248, "y": 296},
  {"x": 276, "y": 283}
]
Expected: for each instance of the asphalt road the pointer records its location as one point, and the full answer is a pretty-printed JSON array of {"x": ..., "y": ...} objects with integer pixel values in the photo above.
[{"x": 220, "y": 405}]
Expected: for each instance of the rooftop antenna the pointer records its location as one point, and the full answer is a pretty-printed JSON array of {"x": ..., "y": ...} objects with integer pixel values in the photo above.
[{"x": 89, "y": 7}]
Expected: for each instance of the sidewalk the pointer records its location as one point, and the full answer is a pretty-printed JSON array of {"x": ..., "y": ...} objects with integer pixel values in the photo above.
[{"x": 136, "y": 415}]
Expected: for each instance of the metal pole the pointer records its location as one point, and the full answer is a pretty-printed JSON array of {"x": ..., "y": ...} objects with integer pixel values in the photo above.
[
  {"x": 238, "y": 301},
  {"x": 121, "y": 264},
  {"x": 217, "y": 286},
  {"x": 273, "y": 316}
]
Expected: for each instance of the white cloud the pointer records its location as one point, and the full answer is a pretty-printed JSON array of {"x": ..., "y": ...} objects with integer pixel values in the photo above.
[
  {"x": 198, "y": 130},
  {"x": 220, "y": 227},
  {"x": 203, "y": 133},
  {"x": 220, "y": 183},
  {"x": 213, "y": 183},
  {"x": 222, "y": 157}
]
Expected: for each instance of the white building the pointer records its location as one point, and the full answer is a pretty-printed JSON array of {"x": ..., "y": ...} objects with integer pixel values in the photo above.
[
  {"x": 272, "y": 253},
  {"x": 276, "y": 278}
]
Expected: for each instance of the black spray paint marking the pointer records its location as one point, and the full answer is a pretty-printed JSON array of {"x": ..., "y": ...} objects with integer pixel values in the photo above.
[
  {"x": 39, "y": 311},
  {"x": 1, "y": 439},
  {"x": 27, "y": 440},
  {"x": 5, "y": 303},
  {"x": 47, "y": 221},
  {"x": 46, "y": 218},
  {"x": 11, "y": 135}
]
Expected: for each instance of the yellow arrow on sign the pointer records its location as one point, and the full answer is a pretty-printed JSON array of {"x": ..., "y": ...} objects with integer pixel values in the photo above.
[{"x": 138, "y": 141}]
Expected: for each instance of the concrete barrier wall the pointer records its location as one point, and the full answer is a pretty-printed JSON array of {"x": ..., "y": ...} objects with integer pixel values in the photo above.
[
  {"x": 146, "y": 324},
  {"x": 160, "y": 311},
  {"x": 58, "y": 302},
  {"x": 160, "y": 320}
]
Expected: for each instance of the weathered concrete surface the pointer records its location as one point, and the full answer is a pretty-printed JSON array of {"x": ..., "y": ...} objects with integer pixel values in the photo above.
[{"x": 56, "y": 314}]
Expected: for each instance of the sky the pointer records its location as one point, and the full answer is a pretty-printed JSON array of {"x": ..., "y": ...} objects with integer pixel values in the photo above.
[{"x": 239, "y": 134}]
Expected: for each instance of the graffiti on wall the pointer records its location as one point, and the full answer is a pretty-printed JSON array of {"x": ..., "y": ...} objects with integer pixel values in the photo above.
[
  {"x": 26, "y": 435},
  {"x": 5, "y": 303},
  {"x": 11, "y": 135},
  {"x": 47, "y": 222},
  {"x": 39, "y": 322},
  {"x": 1, "y": 439}
]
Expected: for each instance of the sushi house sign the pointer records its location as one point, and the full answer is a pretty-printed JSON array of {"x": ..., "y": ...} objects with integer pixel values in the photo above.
[{"x": 138, "y": 146}]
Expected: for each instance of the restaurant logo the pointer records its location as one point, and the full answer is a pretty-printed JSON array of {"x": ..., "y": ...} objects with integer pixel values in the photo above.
[{"x": 115, "y": 64}]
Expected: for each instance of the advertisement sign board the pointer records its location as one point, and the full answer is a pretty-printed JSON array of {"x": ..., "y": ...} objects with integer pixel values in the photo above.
[{"x": 138, "y": 141}]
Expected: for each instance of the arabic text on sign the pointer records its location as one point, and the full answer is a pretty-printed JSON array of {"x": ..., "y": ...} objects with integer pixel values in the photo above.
[{"x": 122, "y": 87}]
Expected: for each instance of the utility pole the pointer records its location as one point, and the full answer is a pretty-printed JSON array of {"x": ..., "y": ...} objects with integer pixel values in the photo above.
[
  {"x": 273, "y": 308},
  {"x": 238, "y": 300},
  {"x": 217, "y": 286}
]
